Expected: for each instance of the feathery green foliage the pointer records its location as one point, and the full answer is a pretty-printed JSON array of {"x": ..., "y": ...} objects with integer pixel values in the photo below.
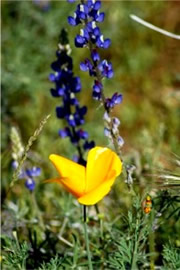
[
  {"x": 171, "y": 256},
  {"x": 130, "y": 248},
  {"x": 16, "y": 255}
]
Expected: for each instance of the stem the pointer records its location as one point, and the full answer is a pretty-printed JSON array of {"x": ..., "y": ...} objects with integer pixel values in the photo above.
[
  {"x": 86, "y": 238},
  {"x": 97, "y": 209},
  {"x": 151, "y": 244},
  {"x": 100, "y": 223},
  {"x": 37, "y": 211},
  {"x": 136, "y": 241},
  {"x": 151, "y": 249},
  {"x": 78, "y": 145},
  {"x": 133, "y": 265}
]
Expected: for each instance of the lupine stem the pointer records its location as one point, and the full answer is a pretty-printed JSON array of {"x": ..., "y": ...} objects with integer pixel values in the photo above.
[
  {"x": 104, "y": 104},
  {"x": 78, "y": 147},
  {"x": 86, "y": 238}
]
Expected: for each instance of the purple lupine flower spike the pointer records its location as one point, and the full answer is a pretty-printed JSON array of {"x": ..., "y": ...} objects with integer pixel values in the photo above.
[
  {"x": 67, "y": 86},
  {"x": 89, "y": 16}
]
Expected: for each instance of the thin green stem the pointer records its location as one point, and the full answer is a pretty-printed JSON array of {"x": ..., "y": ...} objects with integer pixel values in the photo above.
[
  {"x": 100, "y": 222},
  {"x": 136, "y": 241},
  {"x": 37, "y": 210},
  {"x": 133, "y": 265},
  {"x": 151, "y": 243},
  {"x": 97, "y": 209},
  {"x": 86, "y": 238}
]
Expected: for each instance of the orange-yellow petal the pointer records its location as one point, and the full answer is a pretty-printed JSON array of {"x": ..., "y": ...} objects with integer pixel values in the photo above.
[
  {"x": 101, "y": 162},
  {"x": 72, "y": 175},
  {"x": 66, "y": 183},
  {"x": 98, "y": 193}
]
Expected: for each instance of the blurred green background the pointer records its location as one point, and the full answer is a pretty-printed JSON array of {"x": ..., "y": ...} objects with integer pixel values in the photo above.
[{"x": 146, "y": 66}]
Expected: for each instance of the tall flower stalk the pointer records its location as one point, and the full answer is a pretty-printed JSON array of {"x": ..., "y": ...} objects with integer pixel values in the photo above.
[
  {"x": 88, "y": 15},
  {"x": 66, "y": 87},
  {"x": 86, "y": 238}
]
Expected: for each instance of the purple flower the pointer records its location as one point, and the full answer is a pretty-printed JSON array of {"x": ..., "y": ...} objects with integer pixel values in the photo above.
[
  {"x": 64, "y": 132},
  {"x": 84, "y": 66},
  {"x": 30, "y": 184},
  {"x": 72, "y": 21},
  {"x": 75, "y": 84},
  {"x": 106, "y": 69},
  {"x": 71, "y": 120},
  {"x": 111, "y": 102},
  {"x": 97, "y": 87},
  {"x": 52, "y": 77},
  {"x": 80, "y": 41},
  {"x": 99, "y": 17},
  {"x": 73, "y": 99},
  {"x": 95, "y": 56},
  {"x": 28, "y": 174},
  {"x": 101, "y": 43},
  {"x": 96, "y": 32},
  {"x": 88, "y": 13},
  {"x": 82, "y": 134},
  {"x": 87, "y": 65},
  {"x": 88, "y": 145},
  {"x": 33, "y": 172},
  {"x": 96, "y": 95},
  {"x": 83, "y": 11}
]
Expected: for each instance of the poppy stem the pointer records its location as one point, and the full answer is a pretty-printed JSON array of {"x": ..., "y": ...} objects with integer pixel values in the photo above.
[
  {"x": 86, "y": 238},
  {"x": 84, "y": 213}
]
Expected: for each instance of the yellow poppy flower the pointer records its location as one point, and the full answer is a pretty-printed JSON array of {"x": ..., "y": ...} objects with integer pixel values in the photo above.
[{"x": 91, "y": 183}]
